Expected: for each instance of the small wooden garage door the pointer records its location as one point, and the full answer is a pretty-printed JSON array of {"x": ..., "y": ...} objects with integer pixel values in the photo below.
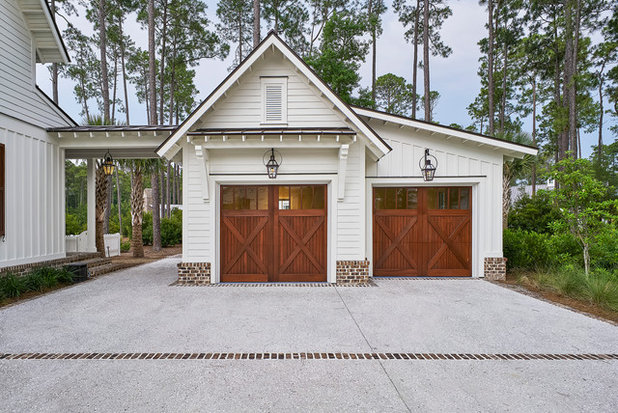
[
  {"x": 422, "y": 231},
  {"x": 273, "y": 233}
]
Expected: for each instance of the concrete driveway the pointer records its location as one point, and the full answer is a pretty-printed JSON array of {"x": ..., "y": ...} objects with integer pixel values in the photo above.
[{"x": 135, "y": 311}]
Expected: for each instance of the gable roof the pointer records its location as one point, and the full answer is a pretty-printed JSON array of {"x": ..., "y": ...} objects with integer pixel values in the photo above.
[
  {"x": 510, "y": 148},
  {"x": 170, "y": 146},
  {"x": 47, "y": 38},
  {"x": 55, "y": 107}
]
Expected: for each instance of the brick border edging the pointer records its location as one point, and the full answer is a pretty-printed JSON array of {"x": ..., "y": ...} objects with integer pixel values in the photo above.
[
  {"x": 307, "y": 356},
  {"x": 274, "y": 284}
]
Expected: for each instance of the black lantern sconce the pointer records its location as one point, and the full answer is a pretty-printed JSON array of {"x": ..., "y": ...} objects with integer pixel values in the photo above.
[
  {"x": 108, "y": 164},
  {"x": 428, "y": 168},
  {"x": 272, "y": 166}
]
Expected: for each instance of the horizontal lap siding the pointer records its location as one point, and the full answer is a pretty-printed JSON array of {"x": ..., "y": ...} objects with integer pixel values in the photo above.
[
  {"x": 34, "y": 195},
  {"x": 18, "y": 96},
  {"x": 241, "y": 108},
  {"x": 198, "y": 233},
  {"x": 455, "y": 159},
  {"x": 351, "y": 211}
]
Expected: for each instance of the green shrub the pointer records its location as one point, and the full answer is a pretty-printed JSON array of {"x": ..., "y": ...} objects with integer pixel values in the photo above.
[
  {"x": 602, "y": 289},
  {"x": 171, "y": 229},
  {"x": 147, "y": 229},
  {"x": 604, "y": 250},
  {"x": 125, "y": 246},
  {"x": 534, "y": 213},
  {"x": 565, "y": 250},
  {"x": 12, "y": 286},
  {"x": 527, "y": 250}
]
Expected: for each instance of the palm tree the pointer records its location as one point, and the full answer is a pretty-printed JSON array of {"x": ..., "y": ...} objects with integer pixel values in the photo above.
[
  {"x": 513, "y": 169},
  {"x": 101, "y": 206},
  {"x": 137, "y": 207}
]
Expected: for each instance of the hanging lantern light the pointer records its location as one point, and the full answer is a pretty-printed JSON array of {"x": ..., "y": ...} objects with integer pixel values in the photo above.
[
  {"x": 272, "y": 166},
  {"x": 108, "y": 164},
  {"x": 428, "y": 168}
]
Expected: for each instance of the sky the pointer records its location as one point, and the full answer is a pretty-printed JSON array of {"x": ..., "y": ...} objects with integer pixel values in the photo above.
[{"x": 455, "y": 77}]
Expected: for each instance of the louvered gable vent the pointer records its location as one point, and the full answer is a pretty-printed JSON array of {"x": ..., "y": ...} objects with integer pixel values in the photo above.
[{"x": 274, "y": 100}]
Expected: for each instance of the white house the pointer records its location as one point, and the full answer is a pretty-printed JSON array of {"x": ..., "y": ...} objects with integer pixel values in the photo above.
[
  {"x": 31, "y": 161},
  {"x": 344, "y": 199},
  {"x": 348, "y": 201}
]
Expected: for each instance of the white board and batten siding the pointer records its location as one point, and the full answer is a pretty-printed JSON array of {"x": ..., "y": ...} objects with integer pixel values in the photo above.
[
  {"x": 34, "y": 196},
  {"x": 19, "y": 97},
  {"x": 459, "y": 164}
]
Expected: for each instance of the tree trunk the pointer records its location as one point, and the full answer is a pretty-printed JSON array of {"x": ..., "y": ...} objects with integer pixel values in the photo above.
[
  {"x": 124, "y": 72},
  {"x": 114, "y": 90},
  {"x": 415, "y": 58},
  {"x": 118, "y": 202},
  {"x": 172, "y": 82},
  {"x": 600, "y": 144},
  {"x": 373, "y": 51},
  {"x": 152, "y": 98},
  {"x": 156, "y": 212},
  {"x": 534, "y": 134},
  {"x": 162, "y": 191},
  {"x": 54, "y": 71},
  {"x": 506, "y": 195},
  {"x": 103, "y": 51},
  {"x": 256, "y": 23},
  {"x": 239, "y": 38},
  {"x": 108, "y": 204},
  {"x": 174, "y": 200},
  {"x": 573, "y": 127},
  {"x": 490, "y": 68},
  {"x": 162, "y": 63},
  {"x": 503, "y": 97},
  {"x": 586, "y": 249},
  {"x": 168, "y": 209},
  {"x": 426, "y": 60},
  {"x": 137, "y": 210},
  {"x": 100, "y": 207}
]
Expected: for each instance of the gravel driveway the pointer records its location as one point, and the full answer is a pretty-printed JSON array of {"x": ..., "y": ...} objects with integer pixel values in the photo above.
[{"x": 125, "y": 315}]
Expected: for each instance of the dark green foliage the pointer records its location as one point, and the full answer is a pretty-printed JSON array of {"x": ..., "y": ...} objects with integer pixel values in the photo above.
[
  {"x": 533, "y": 213},
  {"x": 12, "y": 286},
  {"x": 125, "y": 246},
  {"x": 604, "y": 252},
  {"x": 171, "y": 229},
  {"x": 527, "y": 250},
  {"x": 39, "y": 279}
]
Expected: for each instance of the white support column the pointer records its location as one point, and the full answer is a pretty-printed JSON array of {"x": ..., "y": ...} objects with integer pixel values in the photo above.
[
  {"x": 91, "y": 188},
  {"x": 343, "y": 165},
  {"x": 201, "y": 153}
]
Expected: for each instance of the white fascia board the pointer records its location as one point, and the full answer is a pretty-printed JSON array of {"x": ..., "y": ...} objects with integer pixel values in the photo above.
[
  {"x": 507, "y": 147},
  {"x": 168, "y": 150}
]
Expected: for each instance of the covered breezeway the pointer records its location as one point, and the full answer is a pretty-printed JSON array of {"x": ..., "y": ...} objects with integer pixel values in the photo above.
[{"x": 93, "y": 142}]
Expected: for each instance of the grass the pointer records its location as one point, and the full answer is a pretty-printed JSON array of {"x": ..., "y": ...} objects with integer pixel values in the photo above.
[
  {"x": 39, "y": 280},
  {"x": 600, "y": 288}
]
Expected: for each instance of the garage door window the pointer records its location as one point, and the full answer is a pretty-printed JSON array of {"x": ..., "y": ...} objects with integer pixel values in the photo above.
[
  {"x": 244, "y": 197},
  {"x": 396, "y": 198},
  {"x": 301, "y": 197},
  {"x": 448, "y": 198}
]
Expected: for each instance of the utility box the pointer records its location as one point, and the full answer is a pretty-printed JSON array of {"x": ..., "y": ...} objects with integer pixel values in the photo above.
[{"x": 79, "y": 271}]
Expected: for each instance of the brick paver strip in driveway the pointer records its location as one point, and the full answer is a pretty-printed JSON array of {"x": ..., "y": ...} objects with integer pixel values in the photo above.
[{"x": 129, "y": 341}]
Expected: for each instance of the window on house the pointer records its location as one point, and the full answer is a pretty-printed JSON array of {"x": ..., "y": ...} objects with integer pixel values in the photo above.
[
  {"x": 274, "y": 100},
  {"x": 2, "y": 191}
]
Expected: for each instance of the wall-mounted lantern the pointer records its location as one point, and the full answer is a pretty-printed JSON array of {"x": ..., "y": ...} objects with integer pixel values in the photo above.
[
  {"x": 108, "y": 164},
  {"x": 428, "y": 168},
  {"x": 272, "y": 166}
]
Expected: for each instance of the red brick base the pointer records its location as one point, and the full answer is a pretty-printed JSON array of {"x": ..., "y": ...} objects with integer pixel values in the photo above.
[
  {"x": 23, "y": 269},
  {"x": 353, "y": 272},
  {"x": 495, "y": 268},
  {"x": 195, "y": 273}
]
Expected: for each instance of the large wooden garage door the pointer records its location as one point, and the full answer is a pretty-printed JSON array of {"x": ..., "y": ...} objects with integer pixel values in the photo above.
[
  {"x": 422, "y": 231},
  {"x": 273, "y": 233}
]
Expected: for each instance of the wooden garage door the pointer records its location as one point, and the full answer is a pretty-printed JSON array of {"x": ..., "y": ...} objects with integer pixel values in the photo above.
[
  {"x": 422, "y": 231},
  {"x": 273, "y": 233}
]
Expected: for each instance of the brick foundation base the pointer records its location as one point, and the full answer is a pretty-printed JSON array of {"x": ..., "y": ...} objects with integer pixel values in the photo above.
[
  {"x": 353, "y": 272},
  {"x": 23, "y": 269},
  {"x": 195, "y": 273},
  {"x": 495, "y": 268}
]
